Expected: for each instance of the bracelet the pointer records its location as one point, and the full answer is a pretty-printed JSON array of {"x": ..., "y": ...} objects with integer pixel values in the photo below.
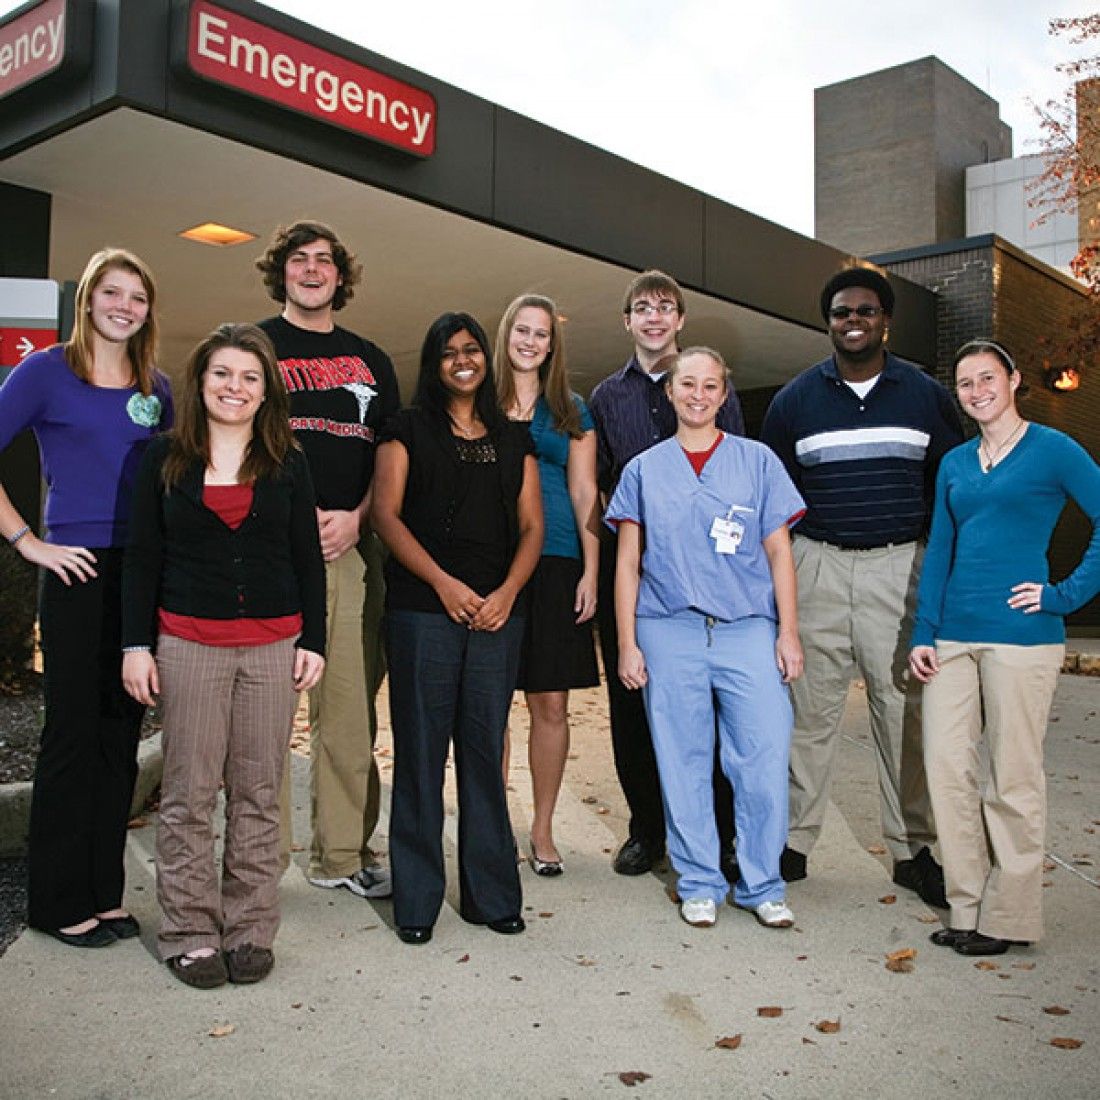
[
  {"x": 137, "y": 649},
  {"x": 13, "y": 539}
]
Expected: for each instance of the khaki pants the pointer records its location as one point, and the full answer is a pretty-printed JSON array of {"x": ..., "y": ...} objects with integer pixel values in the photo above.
[
  {"x": 992, "y": 827},
  {"x": 227, "y": 716},
  {"x": 344, "y": 783},
  {"x": 855, "y": 613}
]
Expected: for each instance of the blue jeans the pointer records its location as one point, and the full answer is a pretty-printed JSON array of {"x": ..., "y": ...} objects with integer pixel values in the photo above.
[
  {"x": 700, "y": 669},
  {"x": 448, "y": 683}
]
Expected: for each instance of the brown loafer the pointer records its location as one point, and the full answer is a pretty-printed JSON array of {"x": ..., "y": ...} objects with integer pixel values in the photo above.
[
  {"x": 248, "y": 964},
  {"x": 201, "y": 972}
]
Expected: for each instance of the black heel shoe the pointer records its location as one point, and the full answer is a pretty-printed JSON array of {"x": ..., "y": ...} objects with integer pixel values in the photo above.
[{"x": 415, "y": 933}]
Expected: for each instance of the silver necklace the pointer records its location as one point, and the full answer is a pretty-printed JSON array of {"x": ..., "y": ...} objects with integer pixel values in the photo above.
[{"x": 991, "y": 457}]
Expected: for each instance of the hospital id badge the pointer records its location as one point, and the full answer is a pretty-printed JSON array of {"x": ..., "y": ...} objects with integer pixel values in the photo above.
[{"x": 727, "y": 534}]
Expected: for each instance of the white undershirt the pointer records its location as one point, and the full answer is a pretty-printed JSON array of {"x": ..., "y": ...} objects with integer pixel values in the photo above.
[{"x": 862, "y": 389}]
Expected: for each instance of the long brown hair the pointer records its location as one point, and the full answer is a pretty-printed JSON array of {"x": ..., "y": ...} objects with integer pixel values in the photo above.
[
  {"x": 272, "y": 438},
  {"x": 553, "y": 377},
  {"x": 141, "y": 347}
]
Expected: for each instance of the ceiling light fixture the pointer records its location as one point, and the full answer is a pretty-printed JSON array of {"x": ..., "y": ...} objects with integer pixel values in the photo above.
[{"x": 216, "y": 234}]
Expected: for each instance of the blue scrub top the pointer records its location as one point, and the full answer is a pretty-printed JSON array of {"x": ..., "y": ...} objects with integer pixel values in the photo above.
[{"x": 743, "y": 481}]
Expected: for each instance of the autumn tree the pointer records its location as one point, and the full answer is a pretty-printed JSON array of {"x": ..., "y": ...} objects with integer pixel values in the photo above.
[{"x": 1070, "y": 181}]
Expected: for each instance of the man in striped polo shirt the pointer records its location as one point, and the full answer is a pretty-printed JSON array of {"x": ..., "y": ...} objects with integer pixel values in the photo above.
[{"x": 862, "y": 434}]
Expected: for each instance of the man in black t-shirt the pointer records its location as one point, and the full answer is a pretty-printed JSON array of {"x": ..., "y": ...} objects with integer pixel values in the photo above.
[{"x": 342, "y": 387}]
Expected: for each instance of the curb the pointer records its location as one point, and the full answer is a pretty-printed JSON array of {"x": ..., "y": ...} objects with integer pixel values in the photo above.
[{"x": 15, "y": 798}]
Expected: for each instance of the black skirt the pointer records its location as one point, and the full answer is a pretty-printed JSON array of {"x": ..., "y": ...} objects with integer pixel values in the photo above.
[{"x": 557, "y": 654}]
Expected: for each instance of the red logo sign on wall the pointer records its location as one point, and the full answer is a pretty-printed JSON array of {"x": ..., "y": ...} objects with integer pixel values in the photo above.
[
  {"x": 228, "y": 49},
  {"x": 32, "y": 45}
]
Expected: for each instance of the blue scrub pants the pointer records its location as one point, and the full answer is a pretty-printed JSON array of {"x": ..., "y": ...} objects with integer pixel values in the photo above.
[{"x": 699, "y": 669}]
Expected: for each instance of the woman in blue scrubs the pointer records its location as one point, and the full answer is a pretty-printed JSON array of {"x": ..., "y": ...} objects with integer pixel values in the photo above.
[{"x": 705, "y": 601}]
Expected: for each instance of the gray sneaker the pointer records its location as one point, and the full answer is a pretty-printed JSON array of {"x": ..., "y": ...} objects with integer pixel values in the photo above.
[{"x": 367, "y": 882}]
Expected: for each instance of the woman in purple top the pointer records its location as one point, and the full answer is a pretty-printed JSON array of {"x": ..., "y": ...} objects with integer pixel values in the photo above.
[{"x": 93, "y": 403}]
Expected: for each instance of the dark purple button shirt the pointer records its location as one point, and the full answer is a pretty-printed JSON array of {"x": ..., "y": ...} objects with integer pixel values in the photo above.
[{"x": 632, "y": 412}]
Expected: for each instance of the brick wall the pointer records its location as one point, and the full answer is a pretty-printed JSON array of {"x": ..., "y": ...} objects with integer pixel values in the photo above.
[{"x": 988, "y": 287}]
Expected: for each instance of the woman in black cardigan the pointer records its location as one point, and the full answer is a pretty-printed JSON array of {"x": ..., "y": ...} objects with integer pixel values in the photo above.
[
  {"x": 456, "y": 500},
  {"x": 224, "y": 572}
]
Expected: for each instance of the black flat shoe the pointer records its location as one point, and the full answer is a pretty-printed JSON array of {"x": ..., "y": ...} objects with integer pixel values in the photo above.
[
  {"x": 636, "y": 858},
  {"x": 924, "y": 876},
  {"x": 977, "y": 944},
  {"x": 547, "y": 868},
  {"x": 415, "y": 933},
  {"x": 506, "y": 926},
  {"x": 949, "y": 937},
  {"x": 99, "y": 936},
  {"x": 124, "y": 928}
]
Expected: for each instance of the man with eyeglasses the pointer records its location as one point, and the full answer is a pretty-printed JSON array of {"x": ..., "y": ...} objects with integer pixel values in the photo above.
[
  {"x": 631, "y": 412},
  {"x": 861, "y": 434},
  {"x": 341, "y": 387}
]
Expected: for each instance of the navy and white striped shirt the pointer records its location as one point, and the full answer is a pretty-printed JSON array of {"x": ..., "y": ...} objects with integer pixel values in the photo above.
[{"x": 865, "y": 466}]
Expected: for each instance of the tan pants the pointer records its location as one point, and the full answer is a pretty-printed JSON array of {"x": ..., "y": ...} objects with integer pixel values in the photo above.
[
  {"x": 227, "y": 716},
  {"x": 855, "y": 613},
  {"x": 992, "y": 827}
]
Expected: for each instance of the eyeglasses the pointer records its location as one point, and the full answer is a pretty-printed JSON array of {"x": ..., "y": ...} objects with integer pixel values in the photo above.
[
  {"x": 664, "y": 308},
  {"x": 842, "y": 313}
]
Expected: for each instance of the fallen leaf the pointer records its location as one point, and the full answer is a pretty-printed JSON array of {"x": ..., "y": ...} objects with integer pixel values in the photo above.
[
  {"x": 928, "y": 918},
  {"x": 876, "y": 849},
  {"x": 297, "y": 847},
  {"x": 829, "y": 1027},
  {"x": 603, "y": 810},
  {"x": 632, "y": 1077},
  {"x": 1056, "y": 1010},
  {"x": 515, "y": 977},
  {"x": 1008, "y": 1020},
  {"x": 730, "y": 1042},
  {"x": 1065, "y": 1044},
  {"x": 808, "y": 1042},
  {"x": 137, "y": 823},
  {"x": 801, "y": 958},
  {"x": 985, "y": 964},
  {"x": 589, "y": 800},
  {"x": 465, "y": 958},
  {"x": 545, "y": 914},
  {"x": 769, "y": 1011},
  {"x": 296, "y": 1004},
  {"x": 902, "y": 954},
  {"x": 221, "y": 1031},
  {"x": 900, "y": 966},
  {"x": 1023, "y": 966},
  {"x": 583, "y": 960},
  {"x": 888, "y": 899}
]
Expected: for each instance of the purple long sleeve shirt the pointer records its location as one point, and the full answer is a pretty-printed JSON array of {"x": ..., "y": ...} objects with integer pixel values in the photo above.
[{"x": 91, "y": 440}]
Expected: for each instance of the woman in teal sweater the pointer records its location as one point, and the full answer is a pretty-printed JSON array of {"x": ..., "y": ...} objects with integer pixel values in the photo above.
[{"x": 988, "y": 644}]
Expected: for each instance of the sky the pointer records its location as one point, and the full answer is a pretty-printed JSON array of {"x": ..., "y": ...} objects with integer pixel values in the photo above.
[{"x": 715, "y": 93}]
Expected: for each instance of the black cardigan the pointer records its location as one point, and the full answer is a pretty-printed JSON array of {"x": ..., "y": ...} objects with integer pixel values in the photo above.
[
  {"x": 432, "y": 490},
  {"x": 183, "y": 558}
]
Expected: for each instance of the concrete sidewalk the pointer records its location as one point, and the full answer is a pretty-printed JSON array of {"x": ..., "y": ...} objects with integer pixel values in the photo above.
[{"x": 607, "y": 980}]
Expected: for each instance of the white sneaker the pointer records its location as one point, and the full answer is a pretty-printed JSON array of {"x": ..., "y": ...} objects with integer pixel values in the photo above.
[
  {"x": 774, "y": 914},
  {"x": 367, "y": 882},
  {"x": 699, "y": 912}
]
